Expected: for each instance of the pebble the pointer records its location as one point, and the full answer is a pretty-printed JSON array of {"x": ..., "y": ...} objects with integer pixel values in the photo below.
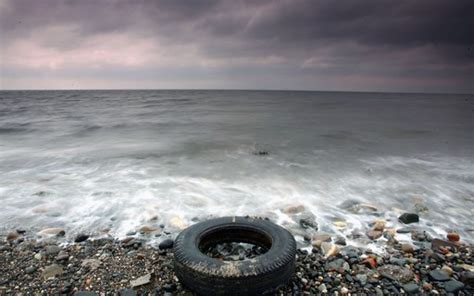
[
  {"x": 408, "y": 218},
  {"x": 81, "y": 237},
  {"x": 340, "y": 241},
  {"x": 427, "y": 286},
  {"x": 308, "y": 221},
  {"x": 52, "y": 231},
  {"x": 407, "y": 248},
  {"x": 411, "y": 288},
  {"x": 339, "y": 224},
  {"x": 166, "y": 244},
  {"x": 147, "y": 229},
  {"x": 321, "y": 236},
  {"x": 91, "y": 264},
  {"x": 453, "y": 236},
  {"x": 437, "y": 244},
  {"x": 439, "y": 275},
  {"x": 397, "y": 273},
  {"x": 329, "y": 249},
  {"x": 378, "y": 225},
  {"x": 404, "y": 230},
  {"x": 127, "y": 292},
  {"x": 362, "y": 278},
  {"x": 177, "y": 222},
  {"x": 63, "y": 255},
  {"x": 52, "y": 271},
  {"x": 143, "y": 280},
  {"x": 12, "y": 236},
  {"x": 453, "y": 286},
  {"x": 467, "y": 277},
  {"x": 52, "y": 250},
  {"x": 294, "y": 209},
  {"x": 30, "y": 269},
  {"x": 448, "y": 270},
  {"x": 374, "y": 234}
]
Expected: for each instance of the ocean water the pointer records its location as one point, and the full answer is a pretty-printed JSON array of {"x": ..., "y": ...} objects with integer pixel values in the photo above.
[{"x": 116, "y": 160}]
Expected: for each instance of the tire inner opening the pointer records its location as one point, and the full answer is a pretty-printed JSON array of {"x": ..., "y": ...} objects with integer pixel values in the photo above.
[{"x": 234, "y": 244}]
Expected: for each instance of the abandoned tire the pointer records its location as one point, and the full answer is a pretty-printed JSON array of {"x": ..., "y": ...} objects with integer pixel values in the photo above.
[{"x": 256, "y": 276}]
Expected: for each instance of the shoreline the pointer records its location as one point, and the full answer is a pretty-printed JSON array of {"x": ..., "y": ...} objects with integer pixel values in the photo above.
[{"x": 108, "y": 266}]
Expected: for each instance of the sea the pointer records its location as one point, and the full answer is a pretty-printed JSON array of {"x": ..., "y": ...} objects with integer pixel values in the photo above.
[{"x": 108, "y": 162}]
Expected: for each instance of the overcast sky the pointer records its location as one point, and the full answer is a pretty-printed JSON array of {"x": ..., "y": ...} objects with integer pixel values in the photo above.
[{"x": 399, "y": 45}]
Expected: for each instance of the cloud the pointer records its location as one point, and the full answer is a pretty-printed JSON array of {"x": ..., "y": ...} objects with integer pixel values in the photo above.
[{"x": 292, "y": 44}]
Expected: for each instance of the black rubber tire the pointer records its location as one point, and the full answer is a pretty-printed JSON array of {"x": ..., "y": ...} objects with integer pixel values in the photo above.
[{"x": 260, "y": 275}]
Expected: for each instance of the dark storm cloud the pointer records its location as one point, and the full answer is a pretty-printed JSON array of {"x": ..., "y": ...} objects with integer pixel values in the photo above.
[{"x": 423, "y": 39}]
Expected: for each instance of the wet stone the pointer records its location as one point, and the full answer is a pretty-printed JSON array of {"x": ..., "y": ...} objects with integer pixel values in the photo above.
[
  {"x": 411, "y": 288},
  {"x": 321, "y": 236},
  {"x": 81, "y": 237},
  {"x": 12, "y": 236},
  {"x": 52, "y": 271},
  {"x": 30, "y": 269},
  {"x": 439, "y": 275},
  {"x": 127, "y": 292},
  {"x": 166, "y": 244},
  {"x": 52, "y": 250},
  {"x": 91, "y": 264},
  {"x": 308, "y": 220},
  {"x": 143, "y": 280},
  {"x": 362, "y": 278},
  {"x": 408, "y": 218},
  {"x": 405, "y": 230},
  {"x": 453, "y": 286},
  {"x": 396, "y": 273},
  {"x": 467, "y": 277}
]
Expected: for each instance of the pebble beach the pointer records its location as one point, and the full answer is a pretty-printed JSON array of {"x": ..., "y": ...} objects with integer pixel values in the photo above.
[{"x": 31, "y": 264}]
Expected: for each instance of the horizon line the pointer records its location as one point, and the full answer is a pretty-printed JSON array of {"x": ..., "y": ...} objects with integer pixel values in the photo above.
[{"x": 238, "y": 89}]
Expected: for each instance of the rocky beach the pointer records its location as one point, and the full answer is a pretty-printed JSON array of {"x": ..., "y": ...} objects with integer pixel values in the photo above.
[{"x": 45, "y": 263}]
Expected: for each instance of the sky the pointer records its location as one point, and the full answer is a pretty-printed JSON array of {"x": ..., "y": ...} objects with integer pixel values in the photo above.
[{"x": 343, "y": 45}]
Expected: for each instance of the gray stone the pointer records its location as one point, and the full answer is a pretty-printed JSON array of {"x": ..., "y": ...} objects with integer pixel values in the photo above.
[
  {"x": 362, "y": 278},
  {"x": 453, "y": 286},
  {"x": 63, "y": 255},
  {"x": 405, "y": 230},
  {"x": 52, "y": 271},
  {"x": 144, "y": 280},
  {"x": 52, "y": 250},
  {"x": 30, "y": 269},
  {"x": 91, "y": 264},
  {"x": 340, "y": 241},
  {"x": 166, "y": 244},
  {"x": 127, "y": 292},
  {"x": 81, "y": 237},
  {"x": 408, "y": 218},
  {"x": 398, "y": 261},
  {"x": 351, "y": 252},
  {"x": 308, "y": 220},
  {"x": 339, "y": 265},
  {"x": 439, "y": 275},
  {"x": 411, "y": 288},
  {"x": 396, "y": 273},
  {"x": 467, "y": 277},
  {"x": 321, "y": 236}
]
